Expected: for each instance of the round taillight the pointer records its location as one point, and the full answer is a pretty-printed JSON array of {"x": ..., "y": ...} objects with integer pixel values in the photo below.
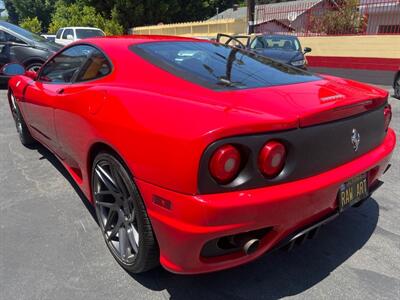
[
  {"x": 387, "y": 113},
  {"x": 225, "y": 163},
  {"x": 272, "y": 158}
]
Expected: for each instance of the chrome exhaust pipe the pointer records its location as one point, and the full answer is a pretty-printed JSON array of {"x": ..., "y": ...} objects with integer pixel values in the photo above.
[{"x": 251, "y": 246}]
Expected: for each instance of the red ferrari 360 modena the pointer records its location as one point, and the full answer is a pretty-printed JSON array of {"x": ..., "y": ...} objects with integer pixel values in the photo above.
[{"x": 200, "y": 156}]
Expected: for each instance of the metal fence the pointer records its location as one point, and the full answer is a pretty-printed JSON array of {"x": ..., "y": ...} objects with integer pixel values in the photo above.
[{"x": 325, "y": 17}]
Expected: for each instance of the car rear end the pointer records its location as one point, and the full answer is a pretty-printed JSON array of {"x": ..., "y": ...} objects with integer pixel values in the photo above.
[
  {"x": 257, "y": 188},
  {"x": 272, "y": 194}
]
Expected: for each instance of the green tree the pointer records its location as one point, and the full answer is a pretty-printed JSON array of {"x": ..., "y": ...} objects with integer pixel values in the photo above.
[
  {"x": 131, "y": 13},
  {"x": 344, "y": 20},
  {"x": 111, "y": 26},
  {"x": 111, "y": 14},
  {"x": 78, "y": 14},
  {"x": 12, "y": 11},
  {"x": 23, "y": 9},
  {"x": 32, "y": 24}
]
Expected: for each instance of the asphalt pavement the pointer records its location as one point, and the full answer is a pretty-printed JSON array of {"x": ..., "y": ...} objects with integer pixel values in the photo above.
[
  {"x": 369, "y": 76},
  {"x": 51, "y": 246}
]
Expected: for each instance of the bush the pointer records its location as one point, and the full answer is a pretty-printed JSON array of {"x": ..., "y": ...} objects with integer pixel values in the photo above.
[
  {"x": 32, "y": 24},
  {"x": 82, "y": 15}
]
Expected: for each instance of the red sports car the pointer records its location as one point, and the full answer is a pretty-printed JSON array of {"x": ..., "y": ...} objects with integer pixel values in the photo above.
[{"x": 200, "y": 156}]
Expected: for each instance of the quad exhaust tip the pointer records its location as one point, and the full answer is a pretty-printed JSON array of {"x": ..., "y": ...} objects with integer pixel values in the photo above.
[{"x": 251, "y": 246}]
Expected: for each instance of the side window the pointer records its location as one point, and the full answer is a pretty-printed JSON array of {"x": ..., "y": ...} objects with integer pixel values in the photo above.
[
  {"x": 59, "y": 32},
  {"x": 65, "y": 66},
  {"x": 5, "y": 37},
  {"x": 66, "y": 33},
  {"x": 96, "y": 66}
]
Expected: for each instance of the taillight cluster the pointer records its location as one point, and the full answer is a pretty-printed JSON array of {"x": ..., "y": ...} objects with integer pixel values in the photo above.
[
  {"x": 387, "y": 113},
  {"x": 226, "y": 161}
]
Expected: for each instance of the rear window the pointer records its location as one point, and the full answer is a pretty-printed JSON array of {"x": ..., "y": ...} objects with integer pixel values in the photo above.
[
  {"x": 218, "y": 66},
  {"x": 87, "y": 33}
]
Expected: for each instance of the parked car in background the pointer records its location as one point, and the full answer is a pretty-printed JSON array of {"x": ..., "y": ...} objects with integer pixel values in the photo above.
[
  {"x": 49, "y": 37},
  {"x": 283, "y": 48},
  {"x": 396, "y": 84},
  {"x": 24, "y": 47},
  {"x": 67, "y": 35},
  {"x": 198, "y": 155}
]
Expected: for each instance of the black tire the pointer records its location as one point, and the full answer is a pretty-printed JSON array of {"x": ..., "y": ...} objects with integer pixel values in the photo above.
[
  {"x": 396, "y": 86},
  {"x": 22, "y": 129},
  {"x": 34, "y": 66},
  {"x": 122, "y": 215}
]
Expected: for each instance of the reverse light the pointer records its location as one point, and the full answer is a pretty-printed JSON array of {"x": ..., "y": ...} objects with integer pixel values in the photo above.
[
  {"x": 272, "y": 159},
  {"x": 225, "y": 163},
  {"x": 387, "y": 113}
]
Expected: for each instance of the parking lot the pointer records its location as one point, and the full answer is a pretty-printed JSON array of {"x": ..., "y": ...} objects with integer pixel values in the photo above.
[{"x": 51, "y": 247}]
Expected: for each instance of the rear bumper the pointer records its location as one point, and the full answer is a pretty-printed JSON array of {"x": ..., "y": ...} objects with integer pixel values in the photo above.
[{"x": 188, "y": 222}]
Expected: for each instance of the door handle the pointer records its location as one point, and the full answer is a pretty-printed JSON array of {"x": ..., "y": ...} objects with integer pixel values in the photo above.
[{"x": 60, "y": 91}]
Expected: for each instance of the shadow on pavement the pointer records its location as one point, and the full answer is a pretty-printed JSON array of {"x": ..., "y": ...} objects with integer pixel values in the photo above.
[
  {"x": 274, "y": 275},
  {"x": 46, "y": 154}
]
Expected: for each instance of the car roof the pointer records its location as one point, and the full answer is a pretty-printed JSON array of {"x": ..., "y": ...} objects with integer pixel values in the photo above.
[
  {"x": 280, "y": 36},
  {"x": 4, "y": 23},
  {"x": 8, "y": 25},
  {"x": 80, "y": 27}
]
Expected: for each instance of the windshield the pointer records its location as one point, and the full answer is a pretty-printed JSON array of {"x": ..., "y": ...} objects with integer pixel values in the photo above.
[
  {"x": 277, "y": 43},
  {"x": 87, "y": 33},
  {"x": 25, "y": 33},
  {"x": 219, "y": 66}
]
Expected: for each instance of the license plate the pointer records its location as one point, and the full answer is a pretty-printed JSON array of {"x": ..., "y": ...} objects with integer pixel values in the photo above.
[{"x": 353, "y": 191}]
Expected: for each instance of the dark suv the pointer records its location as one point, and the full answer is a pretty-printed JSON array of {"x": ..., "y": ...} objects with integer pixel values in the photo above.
[{"x": 24, "y": 47}]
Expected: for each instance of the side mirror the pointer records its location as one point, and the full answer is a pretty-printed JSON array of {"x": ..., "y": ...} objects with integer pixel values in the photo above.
[
  {"x": 31, "y": 74},
  {"x": 13, "y": 69},
  {"x": 70, "y": 37},
  {"x": 307, "y": 49}
]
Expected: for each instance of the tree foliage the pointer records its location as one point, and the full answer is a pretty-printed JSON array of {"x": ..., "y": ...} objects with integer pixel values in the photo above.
[
  {"x": 32, "y": 24},
  {"x": 78, "y": 14},
  {"x": 110, "y": 15},
  {"x": 344, "y": 20},
  {"x": 131, "y": 13},
  {"x": 24, "y": 9},
  {"x": 12, "y": 11}
]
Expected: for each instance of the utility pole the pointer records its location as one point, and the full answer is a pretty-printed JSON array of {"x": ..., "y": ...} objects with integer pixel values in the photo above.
[{"x": 251, "y": 7}]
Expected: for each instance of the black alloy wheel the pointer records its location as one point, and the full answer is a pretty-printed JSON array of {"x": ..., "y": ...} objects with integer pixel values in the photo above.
[
  {"x": 122, "y": 215},
  {"x": 23, "y": 131},
  {"x": 35, "y": 67}
]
